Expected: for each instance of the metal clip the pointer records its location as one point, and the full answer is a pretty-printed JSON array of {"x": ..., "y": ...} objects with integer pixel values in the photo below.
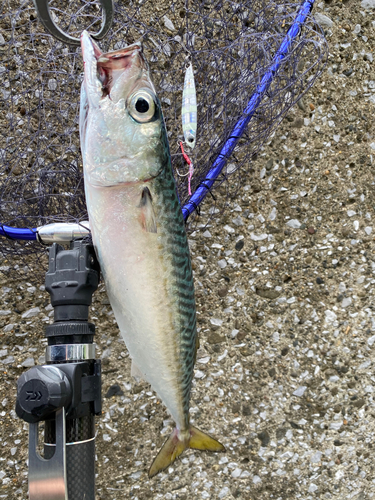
[
  {"x": 47, "y": 478},
  {"x": 44, "y": 14}
]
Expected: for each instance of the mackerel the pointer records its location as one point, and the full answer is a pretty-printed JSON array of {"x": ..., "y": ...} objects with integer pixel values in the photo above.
[{"x": 138, "y": 231}]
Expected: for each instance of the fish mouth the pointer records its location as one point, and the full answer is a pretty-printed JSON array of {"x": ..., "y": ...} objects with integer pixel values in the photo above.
[{"x": 111, "y": 65}]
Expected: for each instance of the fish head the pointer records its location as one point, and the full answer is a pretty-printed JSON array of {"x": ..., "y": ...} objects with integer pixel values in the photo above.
[{"x": 123, "y": 137}]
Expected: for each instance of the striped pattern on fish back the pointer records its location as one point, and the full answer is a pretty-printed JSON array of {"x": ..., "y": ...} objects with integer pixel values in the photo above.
[{"x": 171, "y": 228}]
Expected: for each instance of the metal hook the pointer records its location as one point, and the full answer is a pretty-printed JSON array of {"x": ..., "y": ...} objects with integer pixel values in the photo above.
[{"x": 42, "y": 8}]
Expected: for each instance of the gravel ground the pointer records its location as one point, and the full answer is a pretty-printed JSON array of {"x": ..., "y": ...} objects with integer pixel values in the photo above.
[{"x": 286, "y": 306}]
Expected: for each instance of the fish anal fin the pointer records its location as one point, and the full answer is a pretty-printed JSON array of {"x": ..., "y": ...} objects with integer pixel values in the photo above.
[
  {"x": 147, "y": 215},
  {"x": 179, "y": 441}
]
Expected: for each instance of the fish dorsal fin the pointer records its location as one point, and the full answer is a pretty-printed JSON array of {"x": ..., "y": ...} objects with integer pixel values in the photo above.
[{"x": 148, "y": 219}]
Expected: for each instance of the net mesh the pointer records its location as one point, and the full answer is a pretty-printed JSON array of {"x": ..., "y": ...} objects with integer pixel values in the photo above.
[{"x": 231, "y": 46}]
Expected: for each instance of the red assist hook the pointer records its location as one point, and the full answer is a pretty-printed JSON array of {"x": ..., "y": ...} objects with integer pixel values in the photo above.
[{"x": 191, "y": 167}]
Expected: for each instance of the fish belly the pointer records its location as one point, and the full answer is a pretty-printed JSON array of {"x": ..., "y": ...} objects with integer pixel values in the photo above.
[{"x": 154, "y": 309}]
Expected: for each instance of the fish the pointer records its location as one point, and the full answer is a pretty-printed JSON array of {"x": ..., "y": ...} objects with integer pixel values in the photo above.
[{"x": 138, "y": 232}]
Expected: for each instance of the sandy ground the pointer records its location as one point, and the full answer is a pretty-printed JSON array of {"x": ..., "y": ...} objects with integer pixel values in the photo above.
[{"x": 285, "y": 286}]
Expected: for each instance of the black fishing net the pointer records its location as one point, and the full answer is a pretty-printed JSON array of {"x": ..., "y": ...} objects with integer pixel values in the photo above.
[{"x": 231, "y": 46}]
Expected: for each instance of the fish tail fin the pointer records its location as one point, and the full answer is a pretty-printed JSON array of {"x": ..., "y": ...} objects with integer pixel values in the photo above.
[
  {"x": 201, "y": 441},
  {"x": 179, "y": 441}
]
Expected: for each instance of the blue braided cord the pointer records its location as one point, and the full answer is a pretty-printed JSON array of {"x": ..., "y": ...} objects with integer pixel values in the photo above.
[
  {"x": 15, "y": 233},
  {"x": 249, "y": 111}
]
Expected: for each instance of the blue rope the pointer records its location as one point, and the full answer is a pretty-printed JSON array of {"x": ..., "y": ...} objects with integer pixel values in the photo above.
[
  {"x": 249, "y": 111},
  {"x": 235, "y": 136},
  {"x": 15, "y": 233}
]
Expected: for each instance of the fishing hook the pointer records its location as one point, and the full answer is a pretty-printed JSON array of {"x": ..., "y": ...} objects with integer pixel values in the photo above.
[{"x": 44, "y": 14}]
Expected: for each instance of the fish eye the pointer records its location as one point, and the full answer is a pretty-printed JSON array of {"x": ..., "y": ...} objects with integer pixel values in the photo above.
[{"x": 141, "y": 106}]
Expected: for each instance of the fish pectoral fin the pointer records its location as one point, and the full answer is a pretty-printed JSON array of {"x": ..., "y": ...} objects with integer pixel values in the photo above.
[
  {"x": 147, "y": 215},
  {"x": 179, "y": 441},
  {"x": 136, "y": 373}
]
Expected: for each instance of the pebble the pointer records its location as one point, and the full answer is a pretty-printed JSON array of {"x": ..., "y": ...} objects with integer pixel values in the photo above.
[
  {"x": 215, "y": 338},
  {"x": 272, "y": 215},
  {"x": 114, "y": 390},
  {"x": 223, "y": 291},
  {"x": 265, "y": 438},
  {"x": 294, "y": 223},
  {"x": 239, "y": 245},
  {"x": 346, "y": 302},
  {"x": 300, "y": 391},
  {"x": 168, "y": 23},
  {"x": 216, "y": 321},
  {"x": 316, "y": 458},
  {"x": 368, "y": 4},
  {"x": 323, "y": 20},
  {"x": 34, "y": 311},
  {"x": 52, "y": 84},
  {"x": 28, "y": 363},
  {"x": 330, "y": 316}
]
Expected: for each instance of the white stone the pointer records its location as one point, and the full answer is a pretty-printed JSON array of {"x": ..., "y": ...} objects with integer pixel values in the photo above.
[
  {"x": 323, "y": 20},
  {"x": 28, "y": 363},
  {"x": 313, "y": 487},
  {"x": 168, "y": 23},
  {"x": 34, "y": 311},
  {"x": 229, "y": 229},
  {"x": 294, "y": 223},
  {"x": 5, "y": 312},
  {"x": 238, "y": 221},
  {"x": 8, "y": 328},
  {"x": 330, "y": 316},
  {"x": 207, "y": 234},
  {"x": 236, "y": 472},
  {"x": 216, "y": 321},
  {"x": 224, "y": 492},
  {"x": 371, "y": 340},
  {"x": 256, "y": 479},
  {"x": 336, "y": 425},
  {"x": 346, "y": 302},
  {"x": 52, "y": 84},
  {"x": 316, "y": 458},
  {"x": 300, "y": 391},
  {"x": 261, "y": 237},
  {"x": 368, "y": 4},
  {"x": 368, "y": 230},
  {"x": 336, "y": 137},
  {"x": 222, "y": 263},
  {"x": 272, "y": 215},
  {"x": 351, "y": 213}
]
